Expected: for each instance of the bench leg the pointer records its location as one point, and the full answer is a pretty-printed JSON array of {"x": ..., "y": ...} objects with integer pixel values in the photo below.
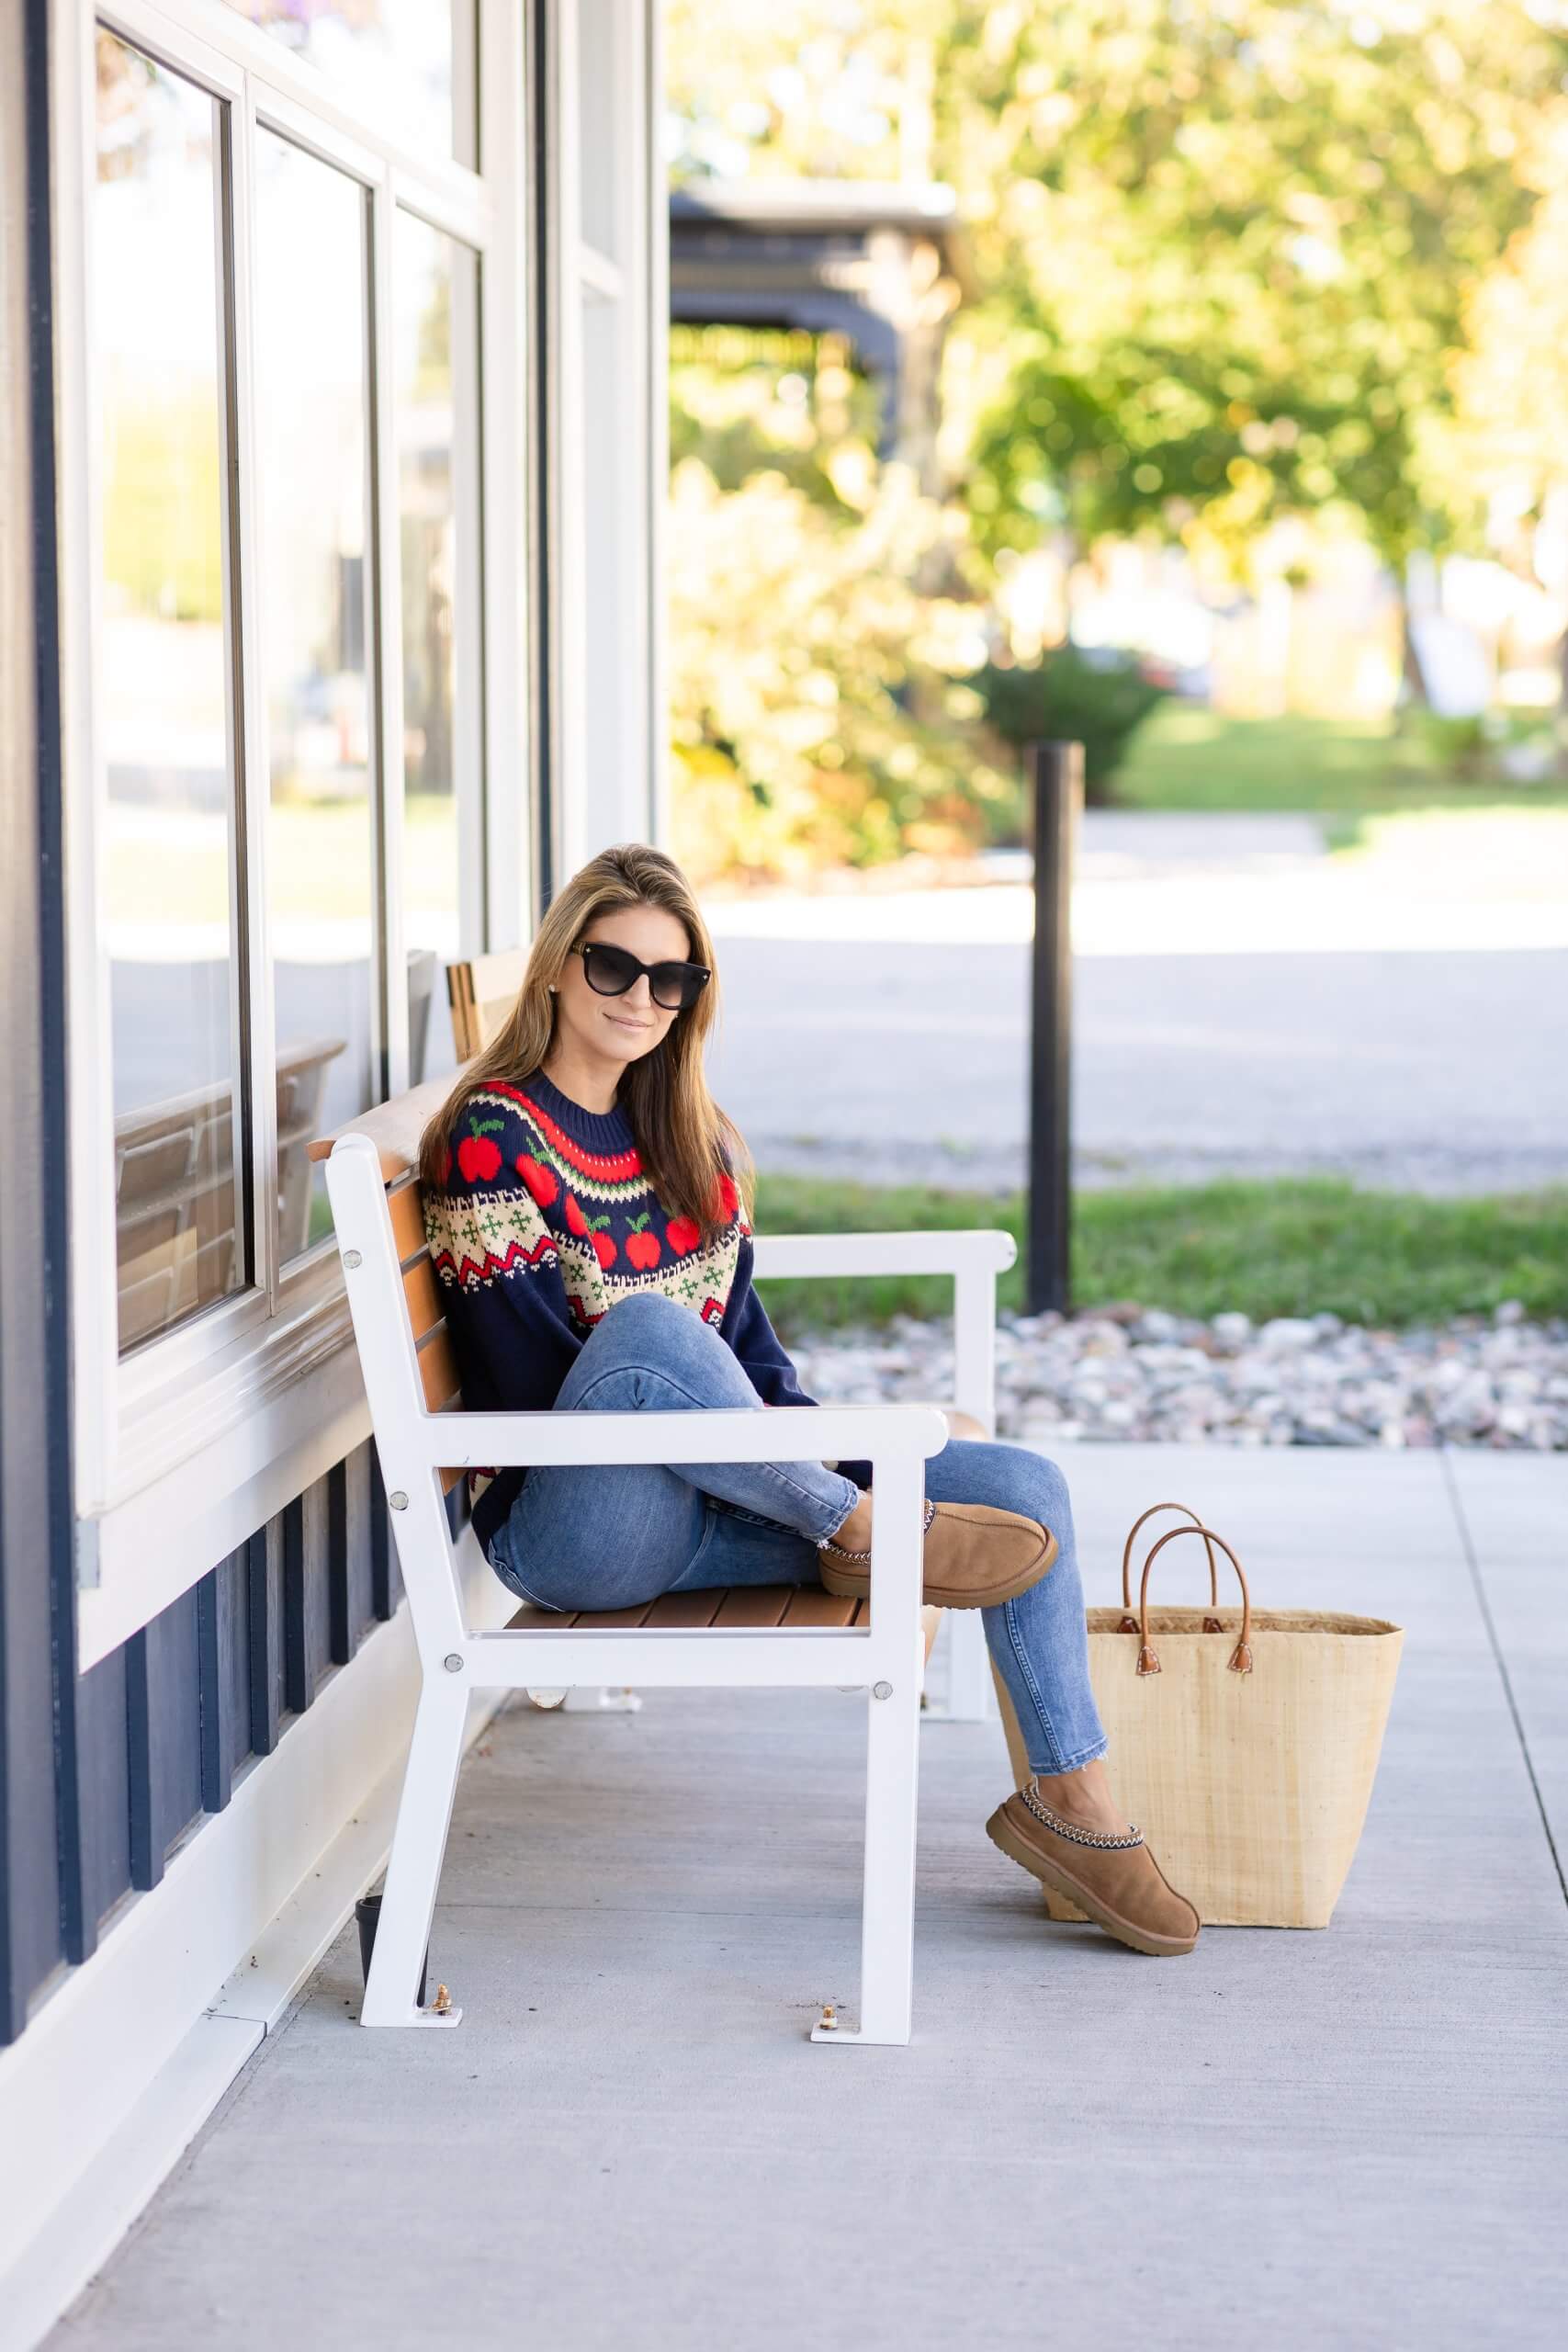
[
  {"x": 418, "y": 1842},
  {"x": 887, "y": 1918}
]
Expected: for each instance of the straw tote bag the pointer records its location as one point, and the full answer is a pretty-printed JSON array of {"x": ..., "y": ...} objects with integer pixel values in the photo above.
[{"x": 1244, "y": 1751}]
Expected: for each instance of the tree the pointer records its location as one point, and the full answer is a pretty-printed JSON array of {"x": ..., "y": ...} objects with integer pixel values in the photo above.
[
  {"x": 1511, "y": 384},
  {"x": 1235, "y": 239}
]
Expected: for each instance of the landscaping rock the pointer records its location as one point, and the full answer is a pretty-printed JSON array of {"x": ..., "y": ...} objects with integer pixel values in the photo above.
[{"x": 1498, "y": 1381}]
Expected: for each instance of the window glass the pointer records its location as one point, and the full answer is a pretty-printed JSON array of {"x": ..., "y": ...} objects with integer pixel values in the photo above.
[
  {"x": 410, "y": 63},
  {"x": 164, "y": 705},
  {"x": 436, "y": 336},
  {"x": 312, "y": 387}
]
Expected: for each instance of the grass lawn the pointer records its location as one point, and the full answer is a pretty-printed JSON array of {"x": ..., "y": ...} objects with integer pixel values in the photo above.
[
  {"x": 1187, "y": 757},
  {"x": 1296, "y": 1247}
]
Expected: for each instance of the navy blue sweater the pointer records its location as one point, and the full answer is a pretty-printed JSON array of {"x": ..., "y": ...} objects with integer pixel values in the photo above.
[{"x": 546, "y": 1218}]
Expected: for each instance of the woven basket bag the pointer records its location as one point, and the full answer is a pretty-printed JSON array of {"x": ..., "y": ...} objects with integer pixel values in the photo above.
[{"x": 1246, "y": 1752}]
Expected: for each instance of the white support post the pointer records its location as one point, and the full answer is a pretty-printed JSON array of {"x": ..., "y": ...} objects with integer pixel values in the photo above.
[
  {"x": 969, "y": 1695},
  {"x": 419, "y": 1845},
  {"x": 892, "y": 1769}
]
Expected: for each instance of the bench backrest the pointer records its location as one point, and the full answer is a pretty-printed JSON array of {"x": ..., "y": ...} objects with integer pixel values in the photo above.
[
  {"x": 484, "y": 989},
  {"x": 394, "y": 1129}
]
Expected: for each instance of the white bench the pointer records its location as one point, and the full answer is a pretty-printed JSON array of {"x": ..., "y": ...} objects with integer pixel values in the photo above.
[{"x": 757, "y": 1638}]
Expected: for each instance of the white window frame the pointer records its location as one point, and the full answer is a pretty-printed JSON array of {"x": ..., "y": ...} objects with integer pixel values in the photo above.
[
  {"x": 187, "y": 1446},
  {"x": 611, "y": 439}
]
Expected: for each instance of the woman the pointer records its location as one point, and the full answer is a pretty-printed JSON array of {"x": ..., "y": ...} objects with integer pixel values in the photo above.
[{"x": 582, "y": 1164}]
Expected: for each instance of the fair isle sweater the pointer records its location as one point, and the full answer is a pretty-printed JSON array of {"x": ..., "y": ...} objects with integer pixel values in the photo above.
[{"x": 544, "y": 1219}]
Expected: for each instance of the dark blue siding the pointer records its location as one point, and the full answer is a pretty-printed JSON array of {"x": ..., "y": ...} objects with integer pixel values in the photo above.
[
  {"x": 223, "y": 1604},
  {"x": 162, "y": 1726},
  {"x": 35, "y": 1469}
]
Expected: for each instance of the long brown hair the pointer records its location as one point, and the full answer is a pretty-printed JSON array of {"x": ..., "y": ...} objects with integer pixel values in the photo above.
[{"x": 681, "y": 1134}]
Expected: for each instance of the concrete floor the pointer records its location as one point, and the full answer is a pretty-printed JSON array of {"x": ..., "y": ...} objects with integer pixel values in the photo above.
[{"x": 1353, "y": 2137}]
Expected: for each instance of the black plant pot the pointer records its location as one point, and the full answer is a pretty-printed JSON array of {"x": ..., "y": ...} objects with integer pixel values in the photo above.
[{"x": 367, "y": 1913}]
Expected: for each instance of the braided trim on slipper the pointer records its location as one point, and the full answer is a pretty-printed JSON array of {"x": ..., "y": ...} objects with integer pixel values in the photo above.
[{"x": 840, "y": 1552}]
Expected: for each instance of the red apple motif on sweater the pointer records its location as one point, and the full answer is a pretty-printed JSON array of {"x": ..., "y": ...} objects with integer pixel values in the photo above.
[
  {"x": 728, "y": 1195},
  {"x": 603, "y": 1247},
  {"x": 683, "y": 1234},
  {"x": 642, "y": 1248},
  {"x": 574, "y": 1215},
  {"x": 539, "y": 1179},
  {"x": 477, "y": 1157}
]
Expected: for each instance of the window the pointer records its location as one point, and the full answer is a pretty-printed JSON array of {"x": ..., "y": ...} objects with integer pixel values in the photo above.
[
  {"x": 407, "y": 62},
  {"x": 295, "y": 379},
  {"x": 435, "y": 302},
  {"x": 312, "y": 234},
  {"x": 166, "y": 705},
  {"x": 612, "y": 302}
]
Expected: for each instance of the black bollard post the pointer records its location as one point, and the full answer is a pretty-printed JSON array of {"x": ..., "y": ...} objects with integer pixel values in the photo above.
[{"x": 1055, "y": 776}]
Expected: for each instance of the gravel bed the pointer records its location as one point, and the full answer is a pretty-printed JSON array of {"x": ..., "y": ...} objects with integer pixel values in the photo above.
[{"x": 1128, "y": 1371}]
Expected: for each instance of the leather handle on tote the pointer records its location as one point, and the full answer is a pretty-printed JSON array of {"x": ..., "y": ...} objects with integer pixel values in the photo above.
[
  {"x": 1129, "y": 1623},
  {"x": 1241, "y": 1656}
]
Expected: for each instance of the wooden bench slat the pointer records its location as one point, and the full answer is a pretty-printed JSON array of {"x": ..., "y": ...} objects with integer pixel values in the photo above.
[
  {"x": 528, "y": 1619},
  {"x": 422, "y": 1294},
  {"x": 753, "y": 1604},
  {"x": 680, "y": 1612},
  {"x": 438, "y": 1370},
  {"x": 810, "y": 1605},
  {"x": 394, "y": 1127},
  {"x": 715, "y": 1607},
  {"x": 408, "y": 1221}
]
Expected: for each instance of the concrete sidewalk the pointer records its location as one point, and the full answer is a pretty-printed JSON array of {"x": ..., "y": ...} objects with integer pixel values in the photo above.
[{"x": 1353, "y": 2137}]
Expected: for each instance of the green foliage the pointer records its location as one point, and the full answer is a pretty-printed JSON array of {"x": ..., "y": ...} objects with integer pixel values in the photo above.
[
  {"x": 745, "y": 400},
  {"x": 1190, "y": 758},
  {"x": 819, "y": 707},
  {"x": 1298, "y": 1246},
  {"x": 1226, "y": 250},
  {"x": 1228, "y": 263},
  {"x": 1457, "y": 745},
  {"x": 1069, "y": 699},
  {"x": 1237, "y": 239},
  {"x": 163, "y": 508}
]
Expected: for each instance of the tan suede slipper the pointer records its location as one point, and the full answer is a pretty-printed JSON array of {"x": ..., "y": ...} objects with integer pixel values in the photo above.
[
  {"x": 975, "y": 1556},
  {"x": 1116, "y": 1880}
]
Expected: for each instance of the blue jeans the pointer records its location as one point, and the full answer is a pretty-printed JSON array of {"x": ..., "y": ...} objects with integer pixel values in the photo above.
[{"x": 613, "y": 1535}]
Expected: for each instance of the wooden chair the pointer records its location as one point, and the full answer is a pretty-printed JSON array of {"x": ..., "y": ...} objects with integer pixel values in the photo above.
[{"x": 751, "y": 1637}]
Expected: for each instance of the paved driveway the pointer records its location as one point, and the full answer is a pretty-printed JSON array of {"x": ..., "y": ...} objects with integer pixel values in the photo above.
[{"x": 1243, "y": 1003}]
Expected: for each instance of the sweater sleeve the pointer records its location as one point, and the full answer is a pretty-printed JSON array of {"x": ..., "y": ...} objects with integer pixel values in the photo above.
[
  {"x": 761, "y": 1354},
  {"x": 513, "y": 1332},
  {"x": 513, "y": 1328}
]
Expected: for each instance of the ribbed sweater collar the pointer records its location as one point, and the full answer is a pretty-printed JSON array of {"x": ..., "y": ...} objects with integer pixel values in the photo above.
[{"x": 598, "y": 1131}]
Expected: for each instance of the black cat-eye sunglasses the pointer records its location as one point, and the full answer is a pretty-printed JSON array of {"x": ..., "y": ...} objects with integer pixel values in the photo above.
[{"x": 611, "y": 971}]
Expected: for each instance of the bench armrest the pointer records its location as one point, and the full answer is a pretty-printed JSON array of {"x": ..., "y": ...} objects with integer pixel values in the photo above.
[
  {"x": 958, "y": 1250},
  {"x": 876, "y": 1433}
]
